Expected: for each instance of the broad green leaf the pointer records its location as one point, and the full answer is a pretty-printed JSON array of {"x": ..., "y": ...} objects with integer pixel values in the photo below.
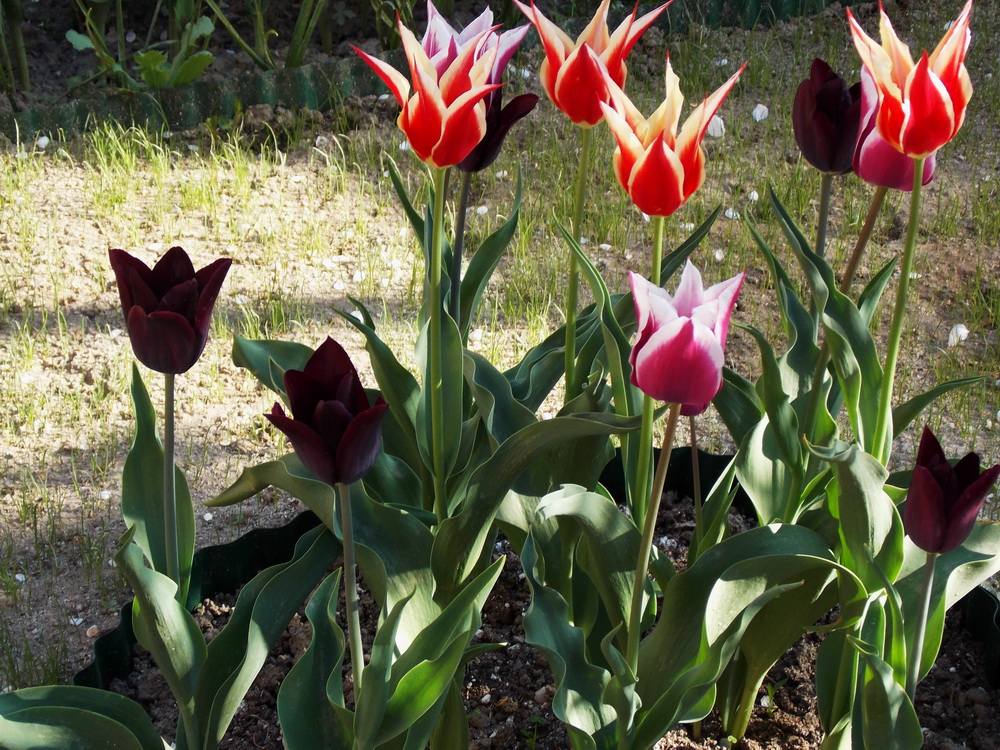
[
  {"x": 192, "y": 68},
  {"x": 763, "y": 472},
  {"x": 578, "y": 701},
  {"x": 871, "y": 295},
  {"x": 373, "y": 697},
  {"x": 738, "y": 405},
  {"x": 888, "y": 720},
  {"x": 263, "y": 610},
  {"x": 460, "y": 539},
  {"x": 63, "y": 716},
  {"x": 202, "y": 26},
  {"x": 503, "y": 414},
  {"x": 268, "y": 359},
  {"x": 143, "y": 497},
  {"x": 307, "y": 719},
  {"x": 164, "y": 627},
  {"x": 154, "y": 68},
  {"x": 904, "y": 414},
  {"x": 79, "y": 41}
]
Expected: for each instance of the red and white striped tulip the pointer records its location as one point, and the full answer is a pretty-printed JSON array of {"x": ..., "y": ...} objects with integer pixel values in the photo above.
[
  {"x": 659, "y": 167},
  {"x": 922, "y": 105}
]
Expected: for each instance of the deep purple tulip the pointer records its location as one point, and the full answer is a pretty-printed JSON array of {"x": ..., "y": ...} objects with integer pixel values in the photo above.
[
  {"x": 335, "y": 431},
  {"x": 168, "y": 308},
  {"x": 876, "y": 161},
  {"x": 944, "y": 500},
  {"x": 680, "y": 351},
  {"x": 499, "y": 121},
  {"x": 825, "y": 118}
]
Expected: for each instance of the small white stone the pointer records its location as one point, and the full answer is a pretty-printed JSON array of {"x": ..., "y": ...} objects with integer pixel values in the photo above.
[
  {"x": 20, "y": 577},
  {"x": 604, "y": 246},
  {"x": 111, "y": 564},
  {"x": 154, "y": 247},
  {"x": 404, "y": 146},
  {"x": 194, "y": 147},
  {"x": 321, "y": 141},
  {"x": 208, "y": 517},
  {"x": 339, "y": 286},
  {"x": 645, "y": 217},
  {"x": 719, "y": 255},
  {"x": 241, "y": 299},
  {"x": 115, "y": 332},
  {"x": 765, "y": 701},
  {"x": 476, "y": 335},
  {"x": 583, "y": 240},
  {"x": 760, "y": 112},
  {"x": 383, "y": 283},
  {"x": 957, "y": 334},
  {"x": 75, "y": 620},
  {"x": 167, "y": 135},
  {"x": 104, "y": 495},
  {"x": 720, "y": 62},
  {"x": 948, "y": 24},
  {"x": 752, "y": 196},
  {"x": 130, "y": 36},
  {"x": 358, "y": 277},
  {"x": 716, "y": 127},
  {"x": 486, "y": 699},
  {"x": 383, "y": 97},
  {"x": 481, "y": 210},
  {"x": 916, "y": 275},
  {"x": 385, "y": 172},
  {"x": 731, "y": 213},
  {"x": 42, "y": 142},
  {"x": 687, "y": 226},
  {"x": 501, "y": 174},
  {"x": 358, "y": 316}
]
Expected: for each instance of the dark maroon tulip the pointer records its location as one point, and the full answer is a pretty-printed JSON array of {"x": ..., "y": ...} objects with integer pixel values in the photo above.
[
  {"x": 826, "y": 116},
  {"x": 943, "y": 500},
  {"x": 168, "y": 308},
  {"x": 499, "y": 121},
  {"x": 336, "y": 432}
]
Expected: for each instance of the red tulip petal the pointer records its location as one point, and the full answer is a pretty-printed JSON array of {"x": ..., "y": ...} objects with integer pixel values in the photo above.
[
  {"x": 396, "y": 81},
  {"x": 624, "y": 39},
  {"x": 462, "y": 129},
  {"x": 923, "y": 515},
  {"x": 930, "y": 119},
  {"x": 580, "y": 87},
  {"x": 629, "y": 149},
  {"x": 656, "y": 184},
  {"x": 308, "y": 446},
  {"x": 170, "y": 270},
  {"x": 163, "y": 341},
  {"x": 128, "y": 267}
]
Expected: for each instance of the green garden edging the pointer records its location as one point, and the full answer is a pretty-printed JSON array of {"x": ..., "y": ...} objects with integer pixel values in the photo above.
[{"x": 322, "y": 86}]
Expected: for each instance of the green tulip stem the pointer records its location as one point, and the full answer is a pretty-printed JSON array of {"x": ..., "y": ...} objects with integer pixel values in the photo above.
[
  {"x": 913, "y": 668},
  {"x": 169, "y": 489},
  {"x": 457, "y": 249},
  {"x": 646, "y": 545},
  {"x": 866, "y": 231},
  {"x": 436, "y": 322},
  {"x": 881, "y": 445},
  {"x": 825, "y": 188},
  {"x": 351, "y": 589},
  {"x": 644, "y": 461},
  {"x": 573, "y": 282}
]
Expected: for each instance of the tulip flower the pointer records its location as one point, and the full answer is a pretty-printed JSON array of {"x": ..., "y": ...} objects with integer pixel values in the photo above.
[
  {"x": 659, "y": 167},
  {"x": 442, "y": 43},
  {"x": 825, "y": 118},
  {"x": 679, "y": 354},
  {"x": 573, "y": 73},
  {"x": 445, "y": 117},
  {"x": 875, "y": 160},
  {"x": 922, "y": 105},
  {"x": 335, "y": 431},
  {"x": 168, "y": 308},
  {"x": 944, "y": 500}
]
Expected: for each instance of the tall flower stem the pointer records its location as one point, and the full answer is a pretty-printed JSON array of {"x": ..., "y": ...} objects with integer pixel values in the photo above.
[
  {"x": 458, "y": 247},
  {"x": 881, "y": 445},
  {"x": 645, "y": 457},
  {"x": 572, "y": 291},
  {"x": 169, "y": 489},
  {"x": 913, "y": 667},
  {"x": 825, "y": 188},
  {"x": 696, "y": 479},
  {"x": 437, "y": 406},
  {"x": 351, "y": 589},
  {"x": 646, "y": 545},
  {"x": 866, "y": 231}
]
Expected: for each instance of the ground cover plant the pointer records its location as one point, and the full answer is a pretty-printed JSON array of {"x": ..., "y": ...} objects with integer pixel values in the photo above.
[{"x": 247, "y": 196}]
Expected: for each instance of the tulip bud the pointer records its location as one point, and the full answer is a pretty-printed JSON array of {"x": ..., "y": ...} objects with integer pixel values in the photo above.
[
  {"x": 679, "y": 354},
  {"x": 944, "y": 500},
  {"x": 334, "y": 429},
  {"x": 167, "y": 309},
  {"x": 825, "y": 118}
]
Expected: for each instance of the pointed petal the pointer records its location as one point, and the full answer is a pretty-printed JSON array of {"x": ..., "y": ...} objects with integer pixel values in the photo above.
[
  {"x": 898, "y": 53},
  {"x": 962, "y": 513},
  {"x": 629, "y": 149},
  {"x": 595, "y": 35},
  {"x": 656, "y": 185},
  {"x": 580, "y": 87},
  {"x": 690, "y": 290},
  {"x": 308, "y": 445},
  {"x": 172, "y": 269},
  {"x": 874, "y": 57},
  {"x": 623, "y": 40},
  {"x": 396, "y": 81},
  {"x": 463, "y": 127},
  {"x": 361, "y": 442},
  {"x": 930, "y": 118},
  {"x": 128, "y": 267},
  {"x": 163, "y": 341},
  {"x": 680, "y": 363},
  {"x": 726, "y": 293},
  {"x": 923, "y": 515}
]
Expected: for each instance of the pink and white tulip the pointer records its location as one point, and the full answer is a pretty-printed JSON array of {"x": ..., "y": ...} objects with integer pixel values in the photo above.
[{"x": 680, "y": 351}]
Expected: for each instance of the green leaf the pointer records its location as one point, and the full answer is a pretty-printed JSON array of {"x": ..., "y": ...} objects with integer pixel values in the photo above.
[
  {"x": 373, "y": 698},
  {"x": 153, "y": 68},
  {"x": 904, "y": 414},
  {"x": 267, "y": 360},
  {"x": 503, "y": 414},
  {"x": 738, "y": 405},
  {"x": 192, "y": 68},
  {"x": 202, "y": 26},
  {"x": 164, "y": 627},
  {"x": 63, "y": 717},
  {"x": 306, "y": 716},
  {"x": 263, "y": 610},
  {"x": 79, "y": 41},
  {"x": 460, "y": 539},
  {"x": 888, "y": 718},
  {"x": 142, "y": 492}
]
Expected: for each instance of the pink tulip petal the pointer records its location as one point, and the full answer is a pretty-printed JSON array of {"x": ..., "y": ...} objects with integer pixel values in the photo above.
[{"x": 680, "y": 363}]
